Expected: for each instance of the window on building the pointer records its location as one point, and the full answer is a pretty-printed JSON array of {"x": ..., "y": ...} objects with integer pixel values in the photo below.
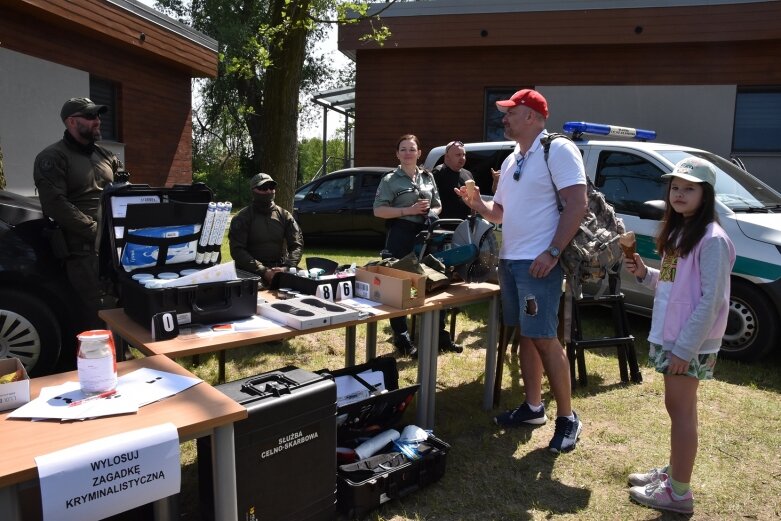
[
  {"x": 104, "y": 92},
  {"x": 757, "y": 120},
  {"x": 493, "y": 128}
]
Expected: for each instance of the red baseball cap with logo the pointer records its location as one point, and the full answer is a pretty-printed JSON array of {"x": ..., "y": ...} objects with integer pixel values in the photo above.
[{"x": 529, "y": 97}]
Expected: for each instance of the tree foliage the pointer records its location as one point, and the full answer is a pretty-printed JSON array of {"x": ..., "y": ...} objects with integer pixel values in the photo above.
[
  {"x": 310, "y": 157},
  {"x": 249, "y": 117}
]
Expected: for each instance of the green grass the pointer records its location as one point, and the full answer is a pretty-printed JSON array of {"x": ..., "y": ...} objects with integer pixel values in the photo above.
[{"x": 495, "y": 474}]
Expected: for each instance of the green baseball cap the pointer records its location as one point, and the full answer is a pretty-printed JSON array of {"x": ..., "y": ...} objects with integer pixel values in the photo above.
[
  {"x": 81, "y": 106},
  {"x": 260, "y": 180}
]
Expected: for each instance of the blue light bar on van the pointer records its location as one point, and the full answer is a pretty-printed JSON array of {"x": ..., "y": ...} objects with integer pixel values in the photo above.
[{"x": 583, "y": 127}]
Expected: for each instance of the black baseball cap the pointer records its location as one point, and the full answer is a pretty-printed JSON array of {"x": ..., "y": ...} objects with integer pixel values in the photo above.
[{"x": 81, "y": 106}]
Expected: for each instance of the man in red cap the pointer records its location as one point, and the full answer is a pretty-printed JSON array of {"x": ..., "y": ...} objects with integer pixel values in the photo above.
[{"x": 533, "y": 236}]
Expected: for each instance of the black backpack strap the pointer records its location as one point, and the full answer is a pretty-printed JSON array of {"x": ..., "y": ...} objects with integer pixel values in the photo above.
[{"x": 545, "y": 141}]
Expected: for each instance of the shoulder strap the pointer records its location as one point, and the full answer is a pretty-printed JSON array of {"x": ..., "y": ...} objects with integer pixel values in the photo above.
[{"x": 545, "y": 141}]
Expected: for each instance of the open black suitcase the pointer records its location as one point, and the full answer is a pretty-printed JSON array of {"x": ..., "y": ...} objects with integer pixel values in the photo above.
[
  {"x": 285, "y": 449},
  {"x": 137, "y": 207},
  {"x": 364, "y": 485}
]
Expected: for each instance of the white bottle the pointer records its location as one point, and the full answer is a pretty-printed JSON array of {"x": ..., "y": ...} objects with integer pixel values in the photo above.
[{"x": 96, "y": 362}]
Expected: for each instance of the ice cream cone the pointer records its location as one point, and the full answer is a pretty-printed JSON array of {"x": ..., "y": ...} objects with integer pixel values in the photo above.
[
  {"x": 470, "y": 187},
  {"x": 628, "y": 244}
]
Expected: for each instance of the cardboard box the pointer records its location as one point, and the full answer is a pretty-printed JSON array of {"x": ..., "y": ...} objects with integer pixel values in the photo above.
[
  {"x": 397, "y": 288},
  {"x": 14, "y": 394}
]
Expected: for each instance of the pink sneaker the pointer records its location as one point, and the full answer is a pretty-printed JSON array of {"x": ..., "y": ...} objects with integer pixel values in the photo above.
[
  {"x": 641, "y": 479},
  {"x": 659, "y": 495}
]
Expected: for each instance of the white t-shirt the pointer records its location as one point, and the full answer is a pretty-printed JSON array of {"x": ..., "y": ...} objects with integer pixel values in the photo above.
[{"x": 530, "y": 213}]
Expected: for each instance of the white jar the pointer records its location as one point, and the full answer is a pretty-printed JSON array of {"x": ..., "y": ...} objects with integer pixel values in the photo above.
[{"x": 96, "y": 362}]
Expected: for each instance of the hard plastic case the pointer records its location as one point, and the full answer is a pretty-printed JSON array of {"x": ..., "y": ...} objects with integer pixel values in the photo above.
[
  {"x": 152, "y": 207},
  {"x": 285, "y": 449},
  {"x": 358, "y": 493}
]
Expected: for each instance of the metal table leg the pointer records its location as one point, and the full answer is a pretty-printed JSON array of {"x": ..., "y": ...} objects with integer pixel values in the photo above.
[
  {"x": 433, "y": 341},
  {"x": 224, "y": 469},
  {"x": 490, "y": 353},
  {"x": 349, "y": 346},
  {"x": 9, "y": 503},
  {"x": 371, "y": 340},
  {"x": 423, "y": 363}
]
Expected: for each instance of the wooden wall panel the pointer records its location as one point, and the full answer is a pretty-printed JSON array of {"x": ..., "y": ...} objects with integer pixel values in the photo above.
[
  {"x": 710, "y": 23},
  {"x": 115, "y": 26},
  {"x": 438, "y": 93},
  {"x": 155, "y": 101}
]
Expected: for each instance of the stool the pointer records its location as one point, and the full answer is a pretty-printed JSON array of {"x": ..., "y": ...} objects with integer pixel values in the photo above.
[
  {"x": 621, "y": 339},
  {"x": 507, "y": 333}
]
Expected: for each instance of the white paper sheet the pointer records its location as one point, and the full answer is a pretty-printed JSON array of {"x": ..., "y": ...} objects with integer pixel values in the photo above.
[
  {"x": 361, "y": 304},
  {"x": 134, "y": 390},
  {"x": 217, "y": 273}
]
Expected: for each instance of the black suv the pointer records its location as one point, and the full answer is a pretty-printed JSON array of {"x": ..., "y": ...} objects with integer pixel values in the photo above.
[
  {"x": 38, "y": 321},
  {"x": 339, "y": 207}
]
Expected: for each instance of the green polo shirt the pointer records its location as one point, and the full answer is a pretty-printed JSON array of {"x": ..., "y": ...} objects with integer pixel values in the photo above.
[{"x": 398, "y": 191}]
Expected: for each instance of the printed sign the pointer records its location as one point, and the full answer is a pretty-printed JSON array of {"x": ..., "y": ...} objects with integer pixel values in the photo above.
[{"x": 104, "y": 477}]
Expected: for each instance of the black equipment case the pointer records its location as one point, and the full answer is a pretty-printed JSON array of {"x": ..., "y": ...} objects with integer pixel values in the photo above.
[
  {"x": 285, "y": 449},
  {"x": 151, "y": 207},
  {"x": 364, "y": 485}
]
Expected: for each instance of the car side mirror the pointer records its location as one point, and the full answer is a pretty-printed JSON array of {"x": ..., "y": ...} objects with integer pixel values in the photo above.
[
  {"x": 653, "y": 210},
  {"x": 314, "y": 197}
]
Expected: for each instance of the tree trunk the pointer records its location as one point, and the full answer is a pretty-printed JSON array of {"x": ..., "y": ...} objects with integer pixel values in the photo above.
[{"x": 279, "y": 149}]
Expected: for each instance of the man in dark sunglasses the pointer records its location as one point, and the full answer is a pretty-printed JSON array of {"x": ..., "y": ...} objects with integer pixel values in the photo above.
[
  {"x": 265, "y": 238},
  {"x": 70, "y": 176}
]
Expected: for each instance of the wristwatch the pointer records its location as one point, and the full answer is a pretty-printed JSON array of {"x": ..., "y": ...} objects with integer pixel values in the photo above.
[{"x": 554, "y": 252}]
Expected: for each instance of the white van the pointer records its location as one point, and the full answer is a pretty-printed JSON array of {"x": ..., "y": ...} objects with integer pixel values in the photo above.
[{"x": 629, "y": 173}]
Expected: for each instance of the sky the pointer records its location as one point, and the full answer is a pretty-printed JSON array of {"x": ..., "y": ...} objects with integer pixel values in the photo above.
[{"x": 329, "y": 49}]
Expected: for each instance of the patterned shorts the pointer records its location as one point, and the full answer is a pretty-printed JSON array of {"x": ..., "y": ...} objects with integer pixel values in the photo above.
[{"x": 701, "y": 366}]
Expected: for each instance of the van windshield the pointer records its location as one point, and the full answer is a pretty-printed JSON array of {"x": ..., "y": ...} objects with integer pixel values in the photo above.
[{"x": 735, "y": 188}]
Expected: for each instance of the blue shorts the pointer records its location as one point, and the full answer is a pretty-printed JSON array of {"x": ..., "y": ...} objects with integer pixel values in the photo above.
[{"x": 529, "y": 302}]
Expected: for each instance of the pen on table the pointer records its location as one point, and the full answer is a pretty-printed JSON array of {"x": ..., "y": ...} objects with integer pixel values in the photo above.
[{"x": 95, "y": 397}]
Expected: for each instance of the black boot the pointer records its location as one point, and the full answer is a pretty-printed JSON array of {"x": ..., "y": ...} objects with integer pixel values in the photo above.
[
  {"x": 446, "y": 344},
  {"x": 404, "y": 345}
]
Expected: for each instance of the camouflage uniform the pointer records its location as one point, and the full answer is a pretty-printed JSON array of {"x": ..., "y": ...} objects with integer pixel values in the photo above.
[
  {"x": 70, "y": 178},
  {"x": 261, "y": 240}
]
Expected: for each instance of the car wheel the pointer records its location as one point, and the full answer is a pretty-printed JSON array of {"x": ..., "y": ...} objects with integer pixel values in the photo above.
[
  {"x": 752, "y": 325},
  {"x": 29, "y": 331}
]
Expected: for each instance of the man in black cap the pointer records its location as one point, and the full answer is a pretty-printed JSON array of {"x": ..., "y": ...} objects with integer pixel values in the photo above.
[
  {"x": 263, "y": 237},
  {"x": 70, "y": 176}
]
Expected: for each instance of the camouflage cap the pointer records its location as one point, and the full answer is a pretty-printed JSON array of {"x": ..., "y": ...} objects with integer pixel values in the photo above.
[
  {"x": 81, "y": 106},
  {"x": 260, "y": 180}
]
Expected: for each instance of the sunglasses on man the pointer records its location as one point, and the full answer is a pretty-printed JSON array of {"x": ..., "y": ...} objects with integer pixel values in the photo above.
[
  {"x": 453, "y": 144},
  {"x": 265, "y": 187},
  {"x": 88, "y": 117}
]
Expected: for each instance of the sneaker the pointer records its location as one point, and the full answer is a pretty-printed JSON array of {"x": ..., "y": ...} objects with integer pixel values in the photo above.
[
  {"x": 641, "y": 479},
  {"x": 565, "y": 436},
  {"x": 659, "y": 495},
  {"x": 404, "y": 345},
  {"x": 522, "y": 415}
]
